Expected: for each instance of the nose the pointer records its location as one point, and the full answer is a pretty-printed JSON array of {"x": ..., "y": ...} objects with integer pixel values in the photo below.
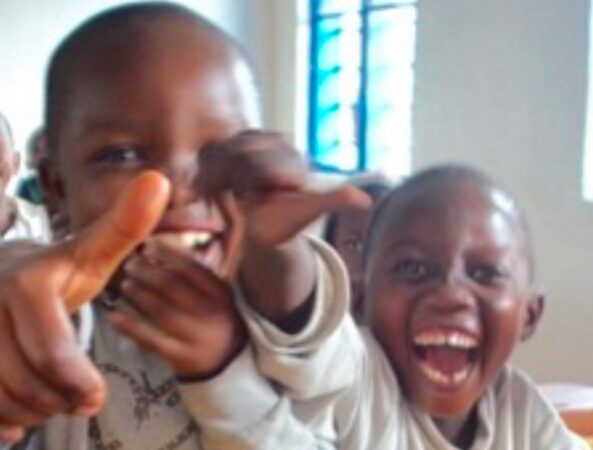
[
  {"x": 451, "y": 295},
  {"x": 183, "y": 177}
]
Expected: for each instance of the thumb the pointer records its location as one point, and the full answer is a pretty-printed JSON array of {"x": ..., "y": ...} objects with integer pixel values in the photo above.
[{"x": 98, "y": 251}]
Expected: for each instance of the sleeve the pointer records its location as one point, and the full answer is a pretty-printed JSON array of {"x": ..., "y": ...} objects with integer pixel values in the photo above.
[
  {"x": 542, "y": 423},
  {"x": 241, "y": 410},
  {"x": 322, "y": 357}
]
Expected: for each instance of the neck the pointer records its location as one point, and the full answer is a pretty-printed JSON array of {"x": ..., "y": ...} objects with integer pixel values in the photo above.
[
  {"x": 7, "y": 212},
  {"x": 460, "y": 431}
]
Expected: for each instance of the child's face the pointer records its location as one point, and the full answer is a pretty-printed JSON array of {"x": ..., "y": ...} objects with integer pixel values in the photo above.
[
  {"x": 151, "y": 108},
  {"x": 349, "y": 235},
  {"x": 449, "y": 293},
  {"x": 8, "y": 162}
]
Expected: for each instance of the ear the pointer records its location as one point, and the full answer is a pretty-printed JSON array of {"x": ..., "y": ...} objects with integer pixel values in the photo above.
[{"x": 535, "y": 309}]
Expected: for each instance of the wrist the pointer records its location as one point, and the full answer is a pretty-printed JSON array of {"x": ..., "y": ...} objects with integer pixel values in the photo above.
[{"x": 206, "y": 371}]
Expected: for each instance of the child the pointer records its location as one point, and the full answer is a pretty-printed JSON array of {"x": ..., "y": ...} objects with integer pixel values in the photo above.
[
  {"x": 18, "y": 217},
  {"x": 154, "y": 95},
  {"x": 449, "y": 293},
  {"x": 346, "y": 232}
]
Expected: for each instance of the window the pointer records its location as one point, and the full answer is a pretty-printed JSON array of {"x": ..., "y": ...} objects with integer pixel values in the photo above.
[{"x": 361, "y": 85}]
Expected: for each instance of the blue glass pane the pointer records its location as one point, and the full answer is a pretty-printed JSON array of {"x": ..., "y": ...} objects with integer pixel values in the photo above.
[
  {"x": 390, "y": 90},
  {"x": 339, "y": 6},
  {"x": 337, "y": 91}
]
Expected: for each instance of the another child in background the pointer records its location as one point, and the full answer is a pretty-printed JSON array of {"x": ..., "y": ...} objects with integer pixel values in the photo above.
[
  {"x": 346, "y": 232},
  {"x": 18, "y": 217}
]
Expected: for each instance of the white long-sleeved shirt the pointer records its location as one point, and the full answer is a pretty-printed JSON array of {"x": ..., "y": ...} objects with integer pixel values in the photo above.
[
  {"x": 344, "y": 389},
  {"x": 31, "y": 222}
]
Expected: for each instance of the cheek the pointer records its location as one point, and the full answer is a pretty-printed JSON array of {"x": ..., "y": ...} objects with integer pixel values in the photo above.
[
  {"x": 503, "y": 320},
  {"x": 388, "y": 313},
  {"x": 87, "y": 198}
]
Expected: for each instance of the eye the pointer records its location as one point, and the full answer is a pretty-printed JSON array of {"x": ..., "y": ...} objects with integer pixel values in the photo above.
[
  {"x": 488, "y": 275},
  {"x": 411, "y": 271},
  {"x": 118, "y": 155}
]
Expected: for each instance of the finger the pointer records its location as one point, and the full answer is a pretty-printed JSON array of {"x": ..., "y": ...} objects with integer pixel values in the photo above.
[
  {"x": 45, "y": 334},
  {"x": 10, "y": 434},
  {"x": 177, "y": 276},
  {"x": 21, "y": 382},
  {"x": 98, "y": 251},
  {"x": 14, "y": 413},
  {"x": 266, "y": 162},
  {"x": 148, "y": 337},
  {"x": 286, "y": 213},
  {"x": 160, "y": 311},
  {"x": 234, "y": 237}
]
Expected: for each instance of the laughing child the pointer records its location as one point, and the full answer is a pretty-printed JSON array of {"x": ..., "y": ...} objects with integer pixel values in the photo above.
[
  {"x": 149, "y": 109},
  {"x": 449, "y": 293}
]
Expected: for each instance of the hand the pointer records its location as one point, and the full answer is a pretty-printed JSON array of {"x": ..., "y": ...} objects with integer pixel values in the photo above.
[
  {"x": 184, "y": 312},
  {"x": 268, "y": 177},
  {"x": 44, "y": 371}
]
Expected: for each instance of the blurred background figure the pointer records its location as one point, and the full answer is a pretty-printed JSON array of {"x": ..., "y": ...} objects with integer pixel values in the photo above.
[
  {"x": 346, "y": 232},
  {"x": 19, "y": 218},
  {"x": 29, "y": 187}
]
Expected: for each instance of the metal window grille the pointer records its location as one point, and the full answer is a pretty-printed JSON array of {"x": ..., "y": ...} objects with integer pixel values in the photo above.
[{"x": 361, "y": 85}]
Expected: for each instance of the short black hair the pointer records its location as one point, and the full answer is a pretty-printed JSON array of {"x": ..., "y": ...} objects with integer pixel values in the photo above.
[
  {"x": 74, "y": 47},
  {"x": 446, "y": 172}
]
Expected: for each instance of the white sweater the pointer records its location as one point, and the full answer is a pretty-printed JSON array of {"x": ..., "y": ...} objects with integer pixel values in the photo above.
[
  {"x": 332, "y": 389},
  {"x": 31, "y": 222},
  {"x": 344, "y": 389}
]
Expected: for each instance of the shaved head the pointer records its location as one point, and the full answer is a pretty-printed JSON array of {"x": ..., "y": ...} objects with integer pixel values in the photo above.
[
  {"x": 433, "y": 188},
  {"x": 123, "y": 37}
]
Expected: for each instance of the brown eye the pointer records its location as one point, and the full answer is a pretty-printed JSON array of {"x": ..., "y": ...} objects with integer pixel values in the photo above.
[
  {"x": 117, "y": 155},
  {"x": 487, "y": 275},
  {"x": 411, "y": 271}
]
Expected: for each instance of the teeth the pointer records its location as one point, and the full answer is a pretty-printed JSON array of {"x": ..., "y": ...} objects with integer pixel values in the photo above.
[
  {"x": 438, "y": 377},
  {"x": 454, "y": 339},
  {"x": 184, "y": 240}
]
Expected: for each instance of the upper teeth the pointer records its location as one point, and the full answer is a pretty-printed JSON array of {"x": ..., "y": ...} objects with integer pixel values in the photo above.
[
  {"x": 184, "y": 240},
  {"x": 449, "y": 338}
]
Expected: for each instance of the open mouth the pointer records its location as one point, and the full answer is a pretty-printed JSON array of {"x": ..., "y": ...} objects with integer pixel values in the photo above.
[
  {"x": 204, "y": 245},
  {"x": 446, "y": 356}
]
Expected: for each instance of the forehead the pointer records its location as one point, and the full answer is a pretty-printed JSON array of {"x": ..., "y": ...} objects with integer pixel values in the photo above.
[
  {"x": 170, "y": 67},
  {"x": 444, "y": 215}
]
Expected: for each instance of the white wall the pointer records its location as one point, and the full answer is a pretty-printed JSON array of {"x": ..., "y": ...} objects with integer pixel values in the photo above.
[
  {"x": 502, "y": 84},
  {"x": 31, "y": 29}
]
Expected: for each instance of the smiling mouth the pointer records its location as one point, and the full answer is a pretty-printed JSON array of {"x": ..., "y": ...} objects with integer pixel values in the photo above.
[
  {"x": 202, "y": 244},
  {"x": 446, "y": 356},
  {"x": 186, "y": 240}
]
